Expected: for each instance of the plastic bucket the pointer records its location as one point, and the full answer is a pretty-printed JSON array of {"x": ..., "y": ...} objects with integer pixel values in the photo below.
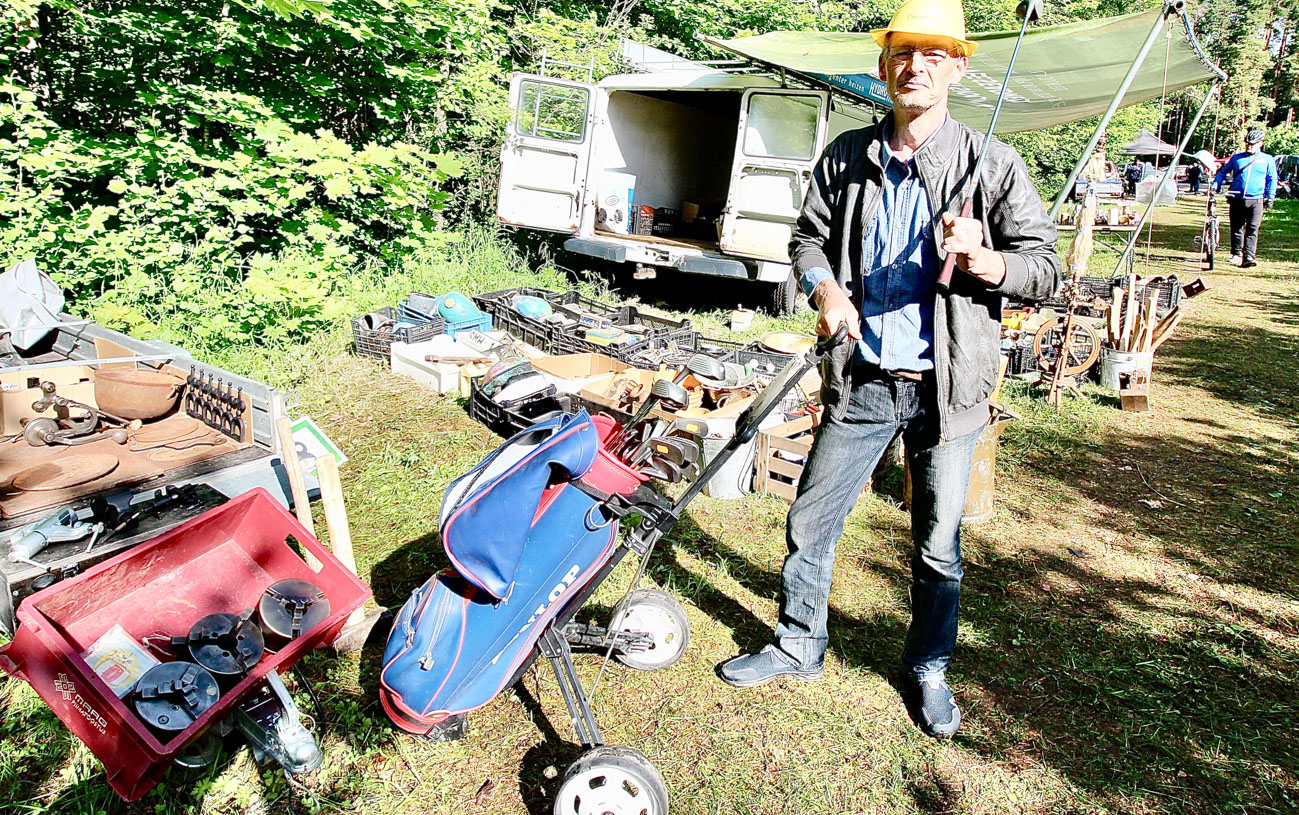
[
  {"x": 735, "y": 478},
  {"x": 1114, "y": 363}
]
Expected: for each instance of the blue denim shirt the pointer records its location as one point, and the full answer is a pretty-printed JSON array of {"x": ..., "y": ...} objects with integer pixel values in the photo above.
[{"x": 900, "y": 264}]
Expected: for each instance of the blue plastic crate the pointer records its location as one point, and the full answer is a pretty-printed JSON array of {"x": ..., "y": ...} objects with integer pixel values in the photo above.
[{"x": 483, "y": 322}]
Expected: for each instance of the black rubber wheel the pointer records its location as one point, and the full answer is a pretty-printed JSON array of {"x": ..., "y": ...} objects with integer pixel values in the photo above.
[
  {"x": 658, "y": 614},
  {"x": 612, "y": 781},
  {"x": 784, "y": 297}
]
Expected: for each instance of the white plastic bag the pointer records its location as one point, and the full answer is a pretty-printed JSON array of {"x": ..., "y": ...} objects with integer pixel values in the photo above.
[
  {"x": 28, "y": 298},
  {"x": 1167, "y": 190}
]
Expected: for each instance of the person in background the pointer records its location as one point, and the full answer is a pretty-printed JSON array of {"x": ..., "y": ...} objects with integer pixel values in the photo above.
[
  {"x": 1130, "y": 178},
  {"x": 879, "y": 218},
  {"x": 1193, "y": 174},
  {"x": 1253, "y": 188}
]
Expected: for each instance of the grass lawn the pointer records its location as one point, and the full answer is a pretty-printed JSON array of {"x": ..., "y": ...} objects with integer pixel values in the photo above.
[{"x": 1130, "y": 625}]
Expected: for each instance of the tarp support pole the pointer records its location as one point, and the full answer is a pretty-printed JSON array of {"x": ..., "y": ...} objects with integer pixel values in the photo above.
[
  {"x": 1162, "y": 177},
  {"x": 1170, "y": 7}
]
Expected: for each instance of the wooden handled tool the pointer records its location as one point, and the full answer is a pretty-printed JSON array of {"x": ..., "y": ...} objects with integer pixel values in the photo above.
[
  {"x": 1028, "y": 11},
  {"x": 1165, "y": 328},
  {"x": 297, "y": 484}
]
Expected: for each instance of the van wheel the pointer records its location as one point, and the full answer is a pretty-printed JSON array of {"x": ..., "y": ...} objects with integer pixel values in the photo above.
[{"x": 784, "y": 298}]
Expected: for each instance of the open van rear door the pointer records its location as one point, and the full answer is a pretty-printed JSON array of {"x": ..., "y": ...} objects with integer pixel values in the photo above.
[
  {"x": 543, "y": 161},
  {"x": 782, "y": 134}
]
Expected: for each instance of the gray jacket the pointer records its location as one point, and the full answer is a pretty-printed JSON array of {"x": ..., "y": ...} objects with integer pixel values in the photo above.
[{"x": 841, "y": 202}]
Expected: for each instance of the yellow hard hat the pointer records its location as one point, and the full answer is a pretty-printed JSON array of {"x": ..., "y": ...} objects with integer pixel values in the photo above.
[{"x": 935, "y": 18}]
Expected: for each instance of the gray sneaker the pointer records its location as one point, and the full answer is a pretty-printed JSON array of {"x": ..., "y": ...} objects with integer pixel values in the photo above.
[
  {"x": 750, "y": 670},
  {"x": 931, "y": 704}
]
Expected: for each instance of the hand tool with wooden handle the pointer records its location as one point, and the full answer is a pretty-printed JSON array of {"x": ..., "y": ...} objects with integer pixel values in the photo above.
[
  {"x": 1165, "y": 328},
  {"x": 1028, "y": 10},
  {"x": 297, "y": 484}
]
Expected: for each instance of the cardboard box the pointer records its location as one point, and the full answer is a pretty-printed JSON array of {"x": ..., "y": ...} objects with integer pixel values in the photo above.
[
  {"x": 18, "y": 389},
  {"x": 598, "y": 392},
  {"x": 689, "y": 210},
  {"x": 578, "y": 366}
]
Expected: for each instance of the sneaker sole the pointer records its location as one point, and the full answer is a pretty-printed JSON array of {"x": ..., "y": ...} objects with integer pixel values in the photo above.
[{"x": 802, "y": 676}]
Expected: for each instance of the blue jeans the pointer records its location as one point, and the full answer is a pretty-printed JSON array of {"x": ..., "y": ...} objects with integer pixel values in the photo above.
[{"x": 843, "y": 457}]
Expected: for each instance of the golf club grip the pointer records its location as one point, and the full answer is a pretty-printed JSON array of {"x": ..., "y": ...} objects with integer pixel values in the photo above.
[{"x": 945, "y": 276}]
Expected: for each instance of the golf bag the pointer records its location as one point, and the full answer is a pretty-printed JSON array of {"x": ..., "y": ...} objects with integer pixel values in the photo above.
[{"x": 524, "y": 541}]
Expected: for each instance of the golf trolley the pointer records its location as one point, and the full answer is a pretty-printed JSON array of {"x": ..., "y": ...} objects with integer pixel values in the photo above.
[{"x": 531, "y": 533}]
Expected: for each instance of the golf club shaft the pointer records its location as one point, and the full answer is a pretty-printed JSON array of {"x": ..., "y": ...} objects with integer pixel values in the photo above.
[{"x": 972, "y": 186}]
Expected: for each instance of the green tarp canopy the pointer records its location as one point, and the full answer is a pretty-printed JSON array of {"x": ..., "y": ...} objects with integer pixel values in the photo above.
[{"x": 1064, "y": 72}]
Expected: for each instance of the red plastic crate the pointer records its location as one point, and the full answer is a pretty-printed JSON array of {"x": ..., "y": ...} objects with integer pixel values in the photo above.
[{"x": 221, "y": 561}]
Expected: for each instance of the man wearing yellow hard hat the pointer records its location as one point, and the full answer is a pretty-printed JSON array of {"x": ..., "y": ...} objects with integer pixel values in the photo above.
[{"x": 879, "y": 218}]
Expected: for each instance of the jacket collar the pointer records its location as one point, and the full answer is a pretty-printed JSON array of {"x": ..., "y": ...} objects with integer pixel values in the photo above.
[{"x": 937, "y": 151}]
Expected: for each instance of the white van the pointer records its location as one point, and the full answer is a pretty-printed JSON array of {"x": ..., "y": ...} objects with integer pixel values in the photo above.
[{"x": 736, "y": 148}]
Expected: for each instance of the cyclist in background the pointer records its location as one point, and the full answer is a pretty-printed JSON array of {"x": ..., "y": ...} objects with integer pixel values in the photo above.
[{"x": 1253, "y": 188}]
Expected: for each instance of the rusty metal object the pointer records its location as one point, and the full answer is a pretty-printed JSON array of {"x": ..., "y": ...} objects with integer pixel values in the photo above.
[
  {"x": 68, "y": 471},
  {"x": 134, "y": 393}
]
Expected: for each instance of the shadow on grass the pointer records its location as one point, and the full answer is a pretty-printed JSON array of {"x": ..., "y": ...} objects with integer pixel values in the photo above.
[{"x": 1073, "y": 677}]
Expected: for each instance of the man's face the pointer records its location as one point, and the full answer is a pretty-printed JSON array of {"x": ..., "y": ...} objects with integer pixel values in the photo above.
[
  {"x": 1253, "y": 148},
  {"x": 919, "y": 70}
]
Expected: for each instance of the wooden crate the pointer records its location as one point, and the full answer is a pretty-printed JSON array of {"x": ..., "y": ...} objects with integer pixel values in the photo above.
[{"x": 775, "y": 475}]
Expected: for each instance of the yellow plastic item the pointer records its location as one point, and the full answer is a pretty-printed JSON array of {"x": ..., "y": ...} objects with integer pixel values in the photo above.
[{"x": 937, "y": 18}]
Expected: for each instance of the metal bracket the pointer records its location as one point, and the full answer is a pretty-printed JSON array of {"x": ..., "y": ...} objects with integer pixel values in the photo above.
[
  {"x": 595, "y": 636},
  {"x": 556, "y": 649}
]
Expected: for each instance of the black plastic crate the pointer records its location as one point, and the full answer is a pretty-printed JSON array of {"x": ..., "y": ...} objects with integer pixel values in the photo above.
[
  {"x": 1102, "y": 288},
  {"x": 667, "y": 222},
  {"x": 766, "y": 364},
  {"x": 534, "y": 332},
  {"x": 377, "y": 343},
  {"x": 1021, "y": 360},
  {"x": 557, "y": 339},
  {"x": 507, "y": 418}
]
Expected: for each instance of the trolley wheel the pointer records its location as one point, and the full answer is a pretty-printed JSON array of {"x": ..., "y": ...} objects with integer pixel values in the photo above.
[
  {"x": 658, "y": 614},
  {"x": 1082, "y": 348},
  {"x": 612, "y": 781}
]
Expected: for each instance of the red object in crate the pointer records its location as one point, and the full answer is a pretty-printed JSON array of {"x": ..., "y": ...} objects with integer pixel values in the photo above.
[{"x": 220, "y": 561}]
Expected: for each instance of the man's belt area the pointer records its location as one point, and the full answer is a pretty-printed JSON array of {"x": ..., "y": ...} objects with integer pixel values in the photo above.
[{"x": 866, "y": 371}]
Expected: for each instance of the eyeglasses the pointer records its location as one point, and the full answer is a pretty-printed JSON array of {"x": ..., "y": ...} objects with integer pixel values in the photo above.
[{"x": 930, "y": 57}]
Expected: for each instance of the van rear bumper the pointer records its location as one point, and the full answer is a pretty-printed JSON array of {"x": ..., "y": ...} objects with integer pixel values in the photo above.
[{"x": 690, "y": 261}]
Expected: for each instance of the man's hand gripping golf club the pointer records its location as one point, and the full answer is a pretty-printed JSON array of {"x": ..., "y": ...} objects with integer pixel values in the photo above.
[{"x": 963, "y": 236}]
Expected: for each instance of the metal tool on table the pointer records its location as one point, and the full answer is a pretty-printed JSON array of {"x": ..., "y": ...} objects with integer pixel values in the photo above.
[
  {"x": 215, "y": 402},
  {"x": 63, "y": 526},
  {"x": 1028, "y": 11},
  {"x": 73, "y": 422},
  {"x": 117, "y": 511}
]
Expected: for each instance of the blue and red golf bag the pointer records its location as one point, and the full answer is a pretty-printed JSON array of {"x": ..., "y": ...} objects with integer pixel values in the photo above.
[{"x": 524, "y": 540}]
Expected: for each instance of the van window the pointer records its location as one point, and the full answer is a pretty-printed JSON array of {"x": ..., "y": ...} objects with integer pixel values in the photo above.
[
  {"x": 552, "y": 111},
  {"x": 781, "y": 126}
]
